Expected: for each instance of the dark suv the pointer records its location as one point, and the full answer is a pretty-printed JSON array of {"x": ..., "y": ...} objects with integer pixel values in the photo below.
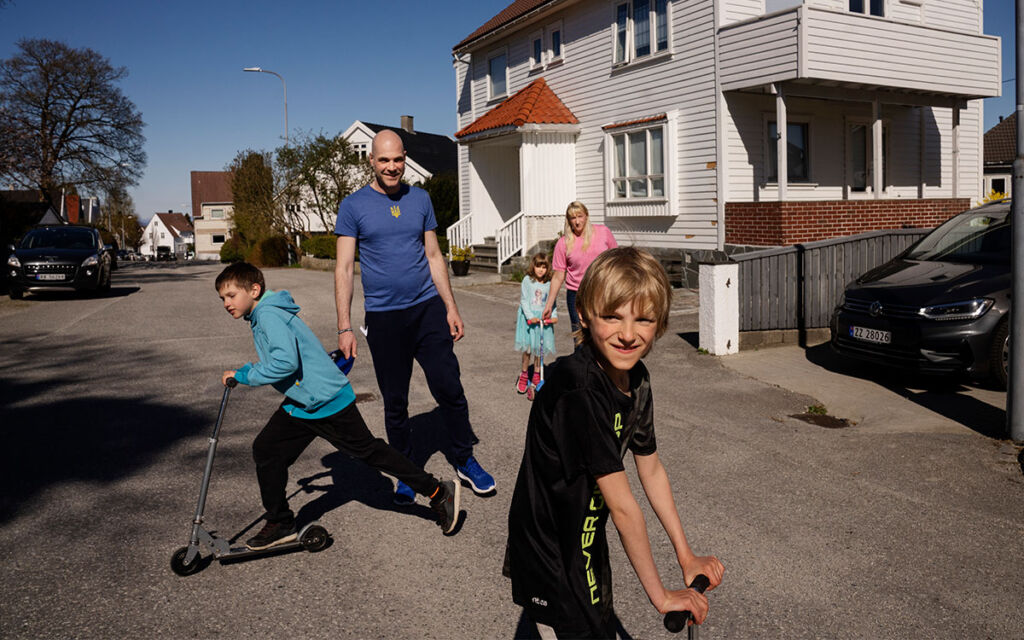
[
  {"x": 59, "y": 256},
  {"x": 942, "y": 306}
]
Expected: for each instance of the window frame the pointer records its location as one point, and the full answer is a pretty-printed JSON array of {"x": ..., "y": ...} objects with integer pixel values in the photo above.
[
  {"x": 493, "y": 55},
  {"x": 866, "y": 8},
  {"x": 537, "y": 50},
  {"x": 214, "y": 236},
  {"x": 214, "y": 212},
  {"x": 771, "y": 155},
  {"x": 624, "y": 47},
  {"x": 549, "y": 51},
  {"x": 869, "y": 159},
  {"x": 612, "y": 177}
]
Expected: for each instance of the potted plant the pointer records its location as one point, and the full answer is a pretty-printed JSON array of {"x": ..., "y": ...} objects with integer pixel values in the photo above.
[{"x": 459, "y": 258}]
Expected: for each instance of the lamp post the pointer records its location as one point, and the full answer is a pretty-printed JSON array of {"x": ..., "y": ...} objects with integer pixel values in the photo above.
[{"x": 262, "y": 70}]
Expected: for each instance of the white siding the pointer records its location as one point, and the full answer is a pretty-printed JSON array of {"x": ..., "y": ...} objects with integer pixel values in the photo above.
[
  {"x": 547, "y": 163},
  {"x": 760, "y": 52},
  {"x": 737, "y": 10},
  {"x": 958, "y": 15}
]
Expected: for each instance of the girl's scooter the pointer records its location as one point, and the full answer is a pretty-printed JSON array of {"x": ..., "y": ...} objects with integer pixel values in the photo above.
[{"x": 188, "y": 560}]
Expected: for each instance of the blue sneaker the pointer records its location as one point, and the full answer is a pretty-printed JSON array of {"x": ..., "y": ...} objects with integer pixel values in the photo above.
[
  {"x": 404, "y": 494},
  {"x": 479, "y": 480}
]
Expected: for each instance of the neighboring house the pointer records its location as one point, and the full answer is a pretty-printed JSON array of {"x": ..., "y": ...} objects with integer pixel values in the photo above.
[
  {"x": 22, "y": 209},
  {"x": 211, "y": 210},
  {"x": 172, "y": 230},
  {"x": 663, "y": 117},
  {"x": 1000, "y": 152},
  {"x": 427, "y": 154}
]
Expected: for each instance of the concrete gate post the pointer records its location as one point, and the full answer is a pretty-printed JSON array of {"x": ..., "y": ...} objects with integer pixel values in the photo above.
[{"x": 719, "y": 330}]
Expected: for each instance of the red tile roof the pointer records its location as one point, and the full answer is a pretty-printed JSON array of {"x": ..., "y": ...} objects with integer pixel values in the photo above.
[
  {"x": 517, "y": 9},
  {"x": 535, "y": 103},
  {"x": 630, "y": 123},
  {"x": 1001, "y": 141}
]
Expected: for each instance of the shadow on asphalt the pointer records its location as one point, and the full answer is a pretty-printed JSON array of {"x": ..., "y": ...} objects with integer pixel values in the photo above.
[
  {"x": 526, "y": 629},
  {"x": 942, "y": 395},
  {"x": 67, "y": 294},
  {"x": 50, "y": 439}
]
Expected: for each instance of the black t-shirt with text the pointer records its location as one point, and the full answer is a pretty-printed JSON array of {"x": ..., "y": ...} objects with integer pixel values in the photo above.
[{"x": 580, "y": 428}]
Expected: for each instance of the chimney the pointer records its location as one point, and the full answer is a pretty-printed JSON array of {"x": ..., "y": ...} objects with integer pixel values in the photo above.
[{"x": 407, "y": 124}]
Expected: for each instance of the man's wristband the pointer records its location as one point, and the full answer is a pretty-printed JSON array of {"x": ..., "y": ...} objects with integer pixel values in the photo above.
[{"x": 341, "y": 331}]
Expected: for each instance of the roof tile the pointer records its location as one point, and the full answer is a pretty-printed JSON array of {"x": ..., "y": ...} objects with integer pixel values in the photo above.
[
  {"x": 1001, "y": 141},
  {"x": 535, "y": 103}
]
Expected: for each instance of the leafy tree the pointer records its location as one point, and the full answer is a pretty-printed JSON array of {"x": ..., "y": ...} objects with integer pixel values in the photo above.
[
  {"x": 64, "y": 121},
  {"x": 318, "y": 173},
  {"x": 256, "y": 215},
  {"x": 120, "y": 220},
  {"x": 444, "y": 194}
]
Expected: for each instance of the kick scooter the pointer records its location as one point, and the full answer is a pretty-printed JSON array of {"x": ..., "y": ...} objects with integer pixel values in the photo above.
[
  {"x": 675, "y": 621},
  {"x": 188, "y": 560},
  {"x": 532, "y": 390}
]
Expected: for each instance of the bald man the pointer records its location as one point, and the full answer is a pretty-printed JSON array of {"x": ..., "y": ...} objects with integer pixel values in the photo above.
[{"x": 410, "y": 309}]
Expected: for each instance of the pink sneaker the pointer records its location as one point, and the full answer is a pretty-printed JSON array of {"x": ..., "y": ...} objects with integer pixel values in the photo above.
[
  {"x": 536, "y": 379},
  {"x": 522, "y": 382}
]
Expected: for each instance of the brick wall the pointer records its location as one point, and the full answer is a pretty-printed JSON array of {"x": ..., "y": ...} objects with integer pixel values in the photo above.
[{"x": 793, "y": 222}]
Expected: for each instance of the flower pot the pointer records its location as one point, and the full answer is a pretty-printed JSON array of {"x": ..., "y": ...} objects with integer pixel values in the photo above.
[{"x": 460, "y": 267}]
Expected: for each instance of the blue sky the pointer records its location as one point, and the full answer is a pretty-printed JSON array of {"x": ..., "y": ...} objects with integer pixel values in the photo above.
[{"x": 342, "y": 61}]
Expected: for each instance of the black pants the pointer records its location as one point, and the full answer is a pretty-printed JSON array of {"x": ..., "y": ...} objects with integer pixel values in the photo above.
[
  {"x": 284, "y": 437},
  {"x": 420, "y": 332}
]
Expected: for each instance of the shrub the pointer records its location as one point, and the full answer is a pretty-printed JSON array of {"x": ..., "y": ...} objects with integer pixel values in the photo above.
[
  {"x": 270, "y": 252},
  {"x": 442, "y": 241},
  {"x": 232, "y": 250},
  {"x": 321, "y": 246}
]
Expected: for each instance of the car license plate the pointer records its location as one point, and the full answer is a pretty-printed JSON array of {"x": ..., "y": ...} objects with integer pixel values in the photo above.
[
  {"x": 50, "y": 276},
  {"x": 871, "y": 335}
]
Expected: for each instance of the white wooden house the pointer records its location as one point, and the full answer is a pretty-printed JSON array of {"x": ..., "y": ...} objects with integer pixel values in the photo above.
[
  {"x": 704, "y": 124},
  {"x": 171, "y": 230}
]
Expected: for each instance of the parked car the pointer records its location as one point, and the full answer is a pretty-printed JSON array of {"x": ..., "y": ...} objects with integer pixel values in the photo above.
[
  {"x": 942, "y": 306},
  {"x": 59, "y": 256},
  {"x": 164, "y": 254}
]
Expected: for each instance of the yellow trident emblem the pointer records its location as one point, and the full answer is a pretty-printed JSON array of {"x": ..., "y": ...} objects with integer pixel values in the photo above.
[{"x": 395, "y": 210}]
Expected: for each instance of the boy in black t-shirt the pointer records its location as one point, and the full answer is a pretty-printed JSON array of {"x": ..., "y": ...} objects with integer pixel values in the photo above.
[{"x": 595, "y": 405}]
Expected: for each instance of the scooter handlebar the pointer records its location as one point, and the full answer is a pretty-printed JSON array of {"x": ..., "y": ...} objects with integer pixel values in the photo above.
[
  {"x": 232, "y": 383},
  {"x": 675, "y": 621}
]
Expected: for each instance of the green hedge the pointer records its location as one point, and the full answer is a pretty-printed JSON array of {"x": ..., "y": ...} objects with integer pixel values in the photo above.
[
  {"x": 232, "y": 250},
  {"x": 321, "y": 246}
]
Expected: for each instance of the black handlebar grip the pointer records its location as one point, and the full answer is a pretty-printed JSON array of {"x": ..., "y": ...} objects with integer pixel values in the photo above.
[
  {"x": 675, "y": 621},
  {"x": 233, "y": 383}
]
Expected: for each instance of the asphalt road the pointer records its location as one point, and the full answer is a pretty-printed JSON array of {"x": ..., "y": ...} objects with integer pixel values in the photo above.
[{"x": 106, "y": 408}]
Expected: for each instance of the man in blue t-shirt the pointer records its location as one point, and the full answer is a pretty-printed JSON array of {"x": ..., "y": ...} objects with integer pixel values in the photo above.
[{"x": 410, "y": 308}]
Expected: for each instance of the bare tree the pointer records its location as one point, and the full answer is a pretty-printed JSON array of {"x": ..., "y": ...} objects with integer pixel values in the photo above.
[
  {"x": 64, "y": 121},
  {"x": 318, "y": 172}
]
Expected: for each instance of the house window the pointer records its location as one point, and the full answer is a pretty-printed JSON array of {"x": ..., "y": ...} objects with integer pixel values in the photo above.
[
  {"x": 861, "y": 157},
  {"x": 496, "y": 75},
  {"x": 641, "y": 29},
  {"x": 871, "y": 7},
  {"x": 218, "y": 238},
  {"x": 998, "y": 185},
  {"x": 555, "y": 42},
  {"x": 797, "y": 147},
  {"x": 216, "y": 214},
  {"x": 537, "y": 58},
  {"x": 638, "y": 163},
  {"x": 162, "y": 235}
]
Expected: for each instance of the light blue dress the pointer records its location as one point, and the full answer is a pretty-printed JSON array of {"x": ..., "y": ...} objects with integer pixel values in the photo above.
[{"x": 533, "y": 296}]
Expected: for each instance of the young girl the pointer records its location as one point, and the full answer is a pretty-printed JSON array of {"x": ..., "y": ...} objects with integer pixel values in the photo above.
[{"x": 530, "y": 328}]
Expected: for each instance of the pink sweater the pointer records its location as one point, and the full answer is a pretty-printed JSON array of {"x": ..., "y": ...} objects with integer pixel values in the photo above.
[{"x": 576, "y": 263}]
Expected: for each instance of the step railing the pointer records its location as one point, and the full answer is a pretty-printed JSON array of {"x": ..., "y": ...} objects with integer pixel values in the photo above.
[
  {"x": 510, "y": 238},
  {"x": 460, "y": 234}
]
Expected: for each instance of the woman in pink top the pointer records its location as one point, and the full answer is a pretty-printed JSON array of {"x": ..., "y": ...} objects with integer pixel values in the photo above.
[{"x": 575, "y": 250}]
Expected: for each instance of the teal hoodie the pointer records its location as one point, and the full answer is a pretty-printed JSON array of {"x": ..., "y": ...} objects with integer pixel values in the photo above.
[{"x": 292, "y": 360}]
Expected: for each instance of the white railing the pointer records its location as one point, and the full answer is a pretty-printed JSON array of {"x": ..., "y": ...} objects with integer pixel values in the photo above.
[
  {"x": 460, "y": 234},
  {"x": 510, "y": 239}
]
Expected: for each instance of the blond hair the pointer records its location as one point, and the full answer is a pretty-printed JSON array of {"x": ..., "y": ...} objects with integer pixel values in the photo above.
[
  {"x": 619, "y": 276},
  {"x": 588, "y": 230}
]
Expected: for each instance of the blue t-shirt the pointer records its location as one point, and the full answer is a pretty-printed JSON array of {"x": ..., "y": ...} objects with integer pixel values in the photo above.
[{"x": 389, "y": 233}]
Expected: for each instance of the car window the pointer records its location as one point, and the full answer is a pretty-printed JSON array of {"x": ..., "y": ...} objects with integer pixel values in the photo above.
[
  {"x": 59, "y": 239},
  {"x": 973, "y": 237}
]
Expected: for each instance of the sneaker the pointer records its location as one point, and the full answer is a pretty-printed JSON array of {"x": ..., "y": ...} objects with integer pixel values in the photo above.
[
  {"x": 404, "y": 494},
  {"x": 446, "y": 505},
  {"x": 479, "y": 480},
  {"x": 536, "y": 379},
  {"x": 272, "y": 534},
  {"x": 522, "y": 382}
]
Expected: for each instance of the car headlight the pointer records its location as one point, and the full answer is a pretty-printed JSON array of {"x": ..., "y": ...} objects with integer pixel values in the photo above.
[
  {"x": 94, "y": 259},
  {"x": 13, "y": 261},
  {"x": 967, "y": 310}
]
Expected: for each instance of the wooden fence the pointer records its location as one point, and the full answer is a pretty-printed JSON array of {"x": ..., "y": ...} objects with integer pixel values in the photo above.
[{"x": 797, "y": 287}]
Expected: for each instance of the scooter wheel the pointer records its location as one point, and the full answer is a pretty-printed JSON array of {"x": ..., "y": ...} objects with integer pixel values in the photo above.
[
  {"x": 179, "y": 566},
  {"x": 315, "y": 539}
]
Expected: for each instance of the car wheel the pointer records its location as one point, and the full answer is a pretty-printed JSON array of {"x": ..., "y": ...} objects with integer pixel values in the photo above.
[
  {"x": 16, "y": 294},
  {"x": 999, "y": 355}
]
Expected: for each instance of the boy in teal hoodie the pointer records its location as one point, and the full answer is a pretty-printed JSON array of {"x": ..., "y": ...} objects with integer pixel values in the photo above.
[{"x": 319, "y": 401}]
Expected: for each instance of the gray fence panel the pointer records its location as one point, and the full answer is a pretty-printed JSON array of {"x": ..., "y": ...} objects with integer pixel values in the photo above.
[{"x": 799, "y": 286}]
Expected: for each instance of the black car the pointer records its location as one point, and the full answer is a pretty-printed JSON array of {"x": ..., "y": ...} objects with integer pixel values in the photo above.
[
  {"x": 942, "y": 306},
  {"x": 59, "y": 256}
]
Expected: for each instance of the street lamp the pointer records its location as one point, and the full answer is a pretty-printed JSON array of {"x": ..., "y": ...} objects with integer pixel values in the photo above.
[{"x": 262, "y": 70}]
